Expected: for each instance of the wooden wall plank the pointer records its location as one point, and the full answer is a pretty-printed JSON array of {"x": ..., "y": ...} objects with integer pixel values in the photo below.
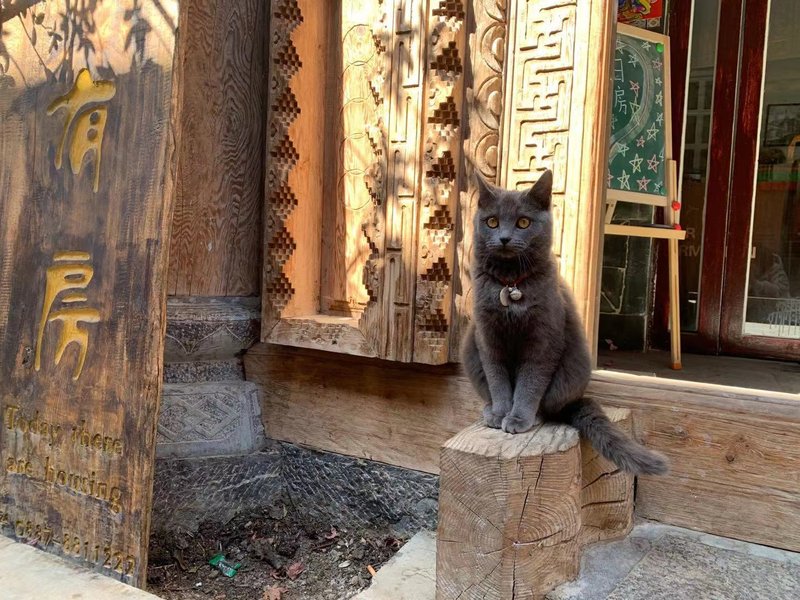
[
  {"x": 734, "y": 452},
  {"x": 216, "y": 241},
  {"x": 86, "y": 180},
  {"x": 381, "y": 410}
]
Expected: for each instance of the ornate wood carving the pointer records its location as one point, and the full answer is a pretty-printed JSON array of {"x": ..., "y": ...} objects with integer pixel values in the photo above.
[
  {"x": 556, "y": 82},
  {"x": 484, "y": 99},
  {"x": 370, "y": 207},
  {"x": 536, "y": 128},
  {"x": 366, "y": 206},
  {"x": 441, "y": 179},
  {"x": 282, "y": 156}
]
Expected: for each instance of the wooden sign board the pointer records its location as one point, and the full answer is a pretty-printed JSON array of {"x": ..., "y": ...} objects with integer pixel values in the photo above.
[
  {"x": 641, "y": 122},
  {"x": 85, "y": 202}
]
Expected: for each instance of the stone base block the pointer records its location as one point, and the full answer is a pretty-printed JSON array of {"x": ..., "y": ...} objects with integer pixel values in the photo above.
[
  {"x": 200, "y": 329},
  {"x": 190, "y": 491},
  {"x": 359, "y": 493},
  {"x": 209, "y": 419}
]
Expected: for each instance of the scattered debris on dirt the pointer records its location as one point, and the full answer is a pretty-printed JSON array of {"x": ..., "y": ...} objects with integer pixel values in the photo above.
[{"x": 281, "y": 555}]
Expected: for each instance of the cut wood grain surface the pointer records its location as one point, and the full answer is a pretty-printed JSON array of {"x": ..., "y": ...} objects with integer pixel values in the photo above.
[
  {"x": 216, "y": 238},
  {"x": 606, "y": 491},
  {"x": 509, "y": 513}
]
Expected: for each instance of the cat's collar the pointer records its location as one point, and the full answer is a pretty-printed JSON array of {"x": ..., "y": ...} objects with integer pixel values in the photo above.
[
  {"x": 509, "y": 283},
  {"x": 509, "y": 292}
]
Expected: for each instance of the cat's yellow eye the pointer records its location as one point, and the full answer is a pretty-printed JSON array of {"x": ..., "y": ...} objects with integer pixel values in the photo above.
[
  {"x": 492, "y": 222},
  {"x": 523, "y": 222}
]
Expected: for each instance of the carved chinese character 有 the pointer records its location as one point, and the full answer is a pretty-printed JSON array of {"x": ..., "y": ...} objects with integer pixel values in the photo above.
[
  {"x": 71, "y": 271},
  {"x": 85, "y": 107}
]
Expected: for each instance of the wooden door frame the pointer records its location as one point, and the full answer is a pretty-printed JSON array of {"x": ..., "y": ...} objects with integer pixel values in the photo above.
[
  {"x": 748, "y": 125},
  {"x": 706, "y": 339},
  {"x": 729, "y": 181}
]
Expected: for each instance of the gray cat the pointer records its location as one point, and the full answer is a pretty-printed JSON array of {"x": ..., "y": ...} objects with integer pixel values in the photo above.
[{"x": 526, "y": 353}]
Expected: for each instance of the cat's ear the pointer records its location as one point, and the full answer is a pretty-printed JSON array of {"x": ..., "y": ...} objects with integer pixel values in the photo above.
[
  {"x": 486, "y": 192},
  {"x": 542, "y": 191}
]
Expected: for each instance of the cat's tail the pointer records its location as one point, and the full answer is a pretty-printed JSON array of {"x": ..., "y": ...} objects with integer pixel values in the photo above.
[{"x": 587, "y": 416}]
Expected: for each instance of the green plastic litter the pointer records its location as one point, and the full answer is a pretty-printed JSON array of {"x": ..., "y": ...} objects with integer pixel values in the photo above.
[{"x": 225, "y": 567}]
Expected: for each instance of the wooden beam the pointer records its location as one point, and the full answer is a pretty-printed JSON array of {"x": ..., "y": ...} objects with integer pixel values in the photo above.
[
  {"x": 664, "y": 233},
  {"x": 732, "y": 453},
  {"x": 722, "y": 441},
  {"x": 380, "y": 410}
]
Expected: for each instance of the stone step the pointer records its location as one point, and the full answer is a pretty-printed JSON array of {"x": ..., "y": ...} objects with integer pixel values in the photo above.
[
  {"x": 27, "y": 573},
  {"x": 209, "y": 419},
  {"x": 207, "y": 329},
  {"x": 654, "y": 561},
  {"x": 408, "y": 575}
]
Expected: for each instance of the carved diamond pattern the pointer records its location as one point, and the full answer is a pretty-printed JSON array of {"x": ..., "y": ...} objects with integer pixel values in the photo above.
[
  {"x": 285, "y": 107},
  {"x": 438, "y": 271},
  {"x": 284, "y": 110},
  {"x": 444, "y": 167},
  {"x": 289, "y": 12},
  {"x": 281, "y": 246},
  {"x": 285, "y": 151},
  {"x": 288, "y": 60},
  {"x": 440, "y": 219},
  {"x": 435, "y": 321},
  {"x": 450, "y": 9},
  {"x": 280, "y": 291},
  {"x": 448, "y": 61},
  {"x": 445, "y": 114},
  {"x": 282, "y": 201}
]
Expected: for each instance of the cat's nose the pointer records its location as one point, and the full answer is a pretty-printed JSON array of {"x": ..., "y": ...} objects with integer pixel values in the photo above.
[{"x": 505, "y": 240}]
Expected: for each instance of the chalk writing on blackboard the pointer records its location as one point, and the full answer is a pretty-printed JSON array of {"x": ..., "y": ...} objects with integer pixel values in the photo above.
[{"x": 639, "y": 117}]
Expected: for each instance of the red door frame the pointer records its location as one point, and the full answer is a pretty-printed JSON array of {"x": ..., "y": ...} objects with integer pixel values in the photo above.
[
  {"x": 743, "y": 179},
  {"x": 730, "y": 180}
]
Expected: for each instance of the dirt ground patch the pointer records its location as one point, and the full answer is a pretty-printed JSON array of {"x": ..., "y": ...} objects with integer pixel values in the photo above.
[{"x": 283, "y": 556}]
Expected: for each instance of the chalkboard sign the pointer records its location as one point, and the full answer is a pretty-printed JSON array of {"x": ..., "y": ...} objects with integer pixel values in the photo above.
[{"x": 641, "y": 124}]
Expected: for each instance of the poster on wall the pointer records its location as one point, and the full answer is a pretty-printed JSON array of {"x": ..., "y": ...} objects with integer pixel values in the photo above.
[{"x": 645, "y": 14}]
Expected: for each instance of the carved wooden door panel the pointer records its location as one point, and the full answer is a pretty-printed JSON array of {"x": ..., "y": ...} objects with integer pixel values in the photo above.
[
  {"x": 539, "y": 99},
  {"x": 369, "y": 206},
  {"x": 363, "y": 172}
]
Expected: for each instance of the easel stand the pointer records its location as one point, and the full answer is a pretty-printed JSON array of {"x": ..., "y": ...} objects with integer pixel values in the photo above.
[
  {"x": 671, "y": 232},
  {"x": 641, "y": 115}
]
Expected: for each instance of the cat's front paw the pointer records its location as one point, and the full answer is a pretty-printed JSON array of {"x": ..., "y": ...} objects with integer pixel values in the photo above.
[
  {"x": 491, "y": 419},
  {"x": 519, "y": 424}
]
